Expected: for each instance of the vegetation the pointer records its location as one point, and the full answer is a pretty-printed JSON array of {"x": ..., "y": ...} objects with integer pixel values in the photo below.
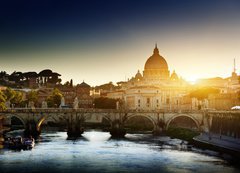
[
  {"x": 2, "y": 101},
  {"x": 105, "y": 103},
  {"x": 15, "y": 97},
  {"x": 68, "y": 84},
  {"x": 32, "y": 96},
  {"x": 54, "y": 100},
  {"x": 182, "y": 133},
  {"x": 29, "y": 79},
  {"x": 203, "y": 93},
  {"x": 108, "y": 86}
]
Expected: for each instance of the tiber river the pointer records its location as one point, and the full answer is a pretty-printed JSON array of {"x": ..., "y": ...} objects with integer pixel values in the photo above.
[{"x": 97, "y": 152}]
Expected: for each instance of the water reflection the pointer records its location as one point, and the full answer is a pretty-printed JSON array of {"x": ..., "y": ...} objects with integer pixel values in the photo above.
[
  {"x": 95, "y": 136},
  {"x": 97, "y": 152}
]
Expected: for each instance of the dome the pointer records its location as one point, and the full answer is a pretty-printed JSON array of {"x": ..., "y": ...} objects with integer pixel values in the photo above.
[
  {"x": 138, "y": 75},
  {"x": 83, "y": 85},
  {"x": 174, "y": 76},
  {"x": 156, "y": 61},
  {"x": 156, "y": 67}
]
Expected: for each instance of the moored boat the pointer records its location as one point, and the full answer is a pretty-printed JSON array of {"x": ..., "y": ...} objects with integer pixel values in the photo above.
[{"x": 19, "y": 143}]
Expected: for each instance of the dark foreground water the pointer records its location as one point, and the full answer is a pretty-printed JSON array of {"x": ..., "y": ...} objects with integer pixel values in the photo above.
[{"x": 97, "y": 152}]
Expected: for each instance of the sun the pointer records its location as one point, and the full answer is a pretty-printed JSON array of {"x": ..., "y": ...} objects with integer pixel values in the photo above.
[{"x": 192, "y": 79}]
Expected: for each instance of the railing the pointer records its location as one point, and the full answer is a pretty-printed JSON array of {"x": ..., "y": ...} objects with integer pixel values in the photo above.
[
  {"x": 94, "y": 110},
  {"x": 230, "y": 112},
  {"x": 52, "y": 110}
]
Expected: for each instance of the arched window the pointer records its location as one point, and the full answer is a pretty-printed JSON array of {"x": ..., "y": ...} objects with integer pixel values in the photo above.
[{"x": 148, "y": 102}]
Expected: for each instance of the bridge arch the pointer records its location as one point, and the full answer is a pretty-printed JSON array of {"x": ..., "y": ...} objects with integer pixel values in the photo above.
[
  {"x": 43, "y": 118},
  {"x": 39, "y": 123},
  {"x": 18, "y": 117},
  {"x": 144, "y": 116},
  {"x": 197, "y": 123}
]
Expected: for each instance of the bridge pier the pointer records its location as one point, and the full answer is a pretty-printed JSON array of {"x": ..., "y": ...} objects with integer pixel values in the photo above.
[
  {"x": 117, "y": 130},
  {"x": 1, "y": 131},
  {"x": 158, "y": 131},
  {"x": 75, "y": 126},
  {"x": 32, "y": 129},
  {"x": 159, "y": 127},
  {"x": 75, "y": 131}
]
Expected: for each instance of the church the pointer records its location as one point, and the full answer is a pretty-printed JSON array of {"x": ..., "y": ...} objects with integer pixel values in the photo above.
[{"x": 154, "y": 89}]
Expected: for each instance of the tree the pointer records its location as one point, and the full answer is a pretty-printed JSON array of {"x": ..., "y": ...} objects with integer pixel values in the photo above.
[
  {"x": 2, "y": 101},
  {"x": 108, "y": 86},
  {"x": 3, "y": 74},
  {"x": 9, "y": 93},
  {"x": 54, "y": 100},
  {"x": 32, "y": 96},
  {"x": 16, "y": 77},
  {"x": 105, "y": 103},
  {"x": 15, "y": 97}
]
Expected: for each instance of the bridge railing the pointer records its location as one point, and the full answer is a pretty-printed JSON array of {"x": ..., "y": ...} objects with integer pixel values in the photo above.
[
  {"x": 92, "y": 110},
  {"x": 50, "y": 110}
]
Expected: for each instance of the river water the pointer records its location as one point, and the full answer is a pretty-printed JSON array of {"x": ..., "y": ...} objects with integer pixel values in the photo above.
[{"x": 97, "y": 152}]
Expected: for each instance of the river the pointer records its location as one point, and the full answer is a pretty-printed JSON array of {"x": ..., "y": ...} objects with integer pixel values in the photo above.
[{"x": 97, "y": 152}]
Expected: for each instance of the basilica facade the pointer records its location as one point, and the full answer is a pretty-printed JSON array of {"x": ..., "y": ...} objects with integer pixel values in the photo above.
[{"x": 154, "y": 89}]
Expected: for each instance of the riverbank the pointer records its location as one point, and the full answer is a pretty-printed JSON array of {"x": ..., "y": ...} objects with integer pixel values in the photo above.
[
  {"x": 181, "y": 133},
  {"x": 219, "y": 143},
  {"x": 223, "y": 144}
]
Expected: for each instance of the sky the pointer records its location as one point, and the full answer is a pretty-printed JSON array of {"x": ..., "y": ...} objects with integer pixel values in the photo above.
[{"x": 110, "y": 40}]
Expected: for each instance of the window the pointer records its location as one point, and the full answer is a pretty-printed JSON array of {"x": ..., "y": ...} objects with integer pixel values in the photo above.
[
  {"x": 168, "y": 101},
  {"x": 148, "y": 100}
]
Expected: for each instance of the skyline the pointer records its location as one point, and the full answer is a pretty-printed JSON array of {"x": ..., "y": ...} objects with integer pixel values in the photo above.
[{"x": 99, "y": 42}]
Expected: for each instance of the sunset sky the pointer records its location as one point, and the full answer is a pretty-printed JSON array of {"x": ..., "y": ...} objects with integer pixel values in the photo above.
[{"x": 109, "y": 40}]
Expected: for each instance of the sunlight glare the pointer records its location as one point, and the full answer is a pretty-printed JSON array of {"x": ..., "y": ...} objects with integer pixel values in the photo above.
[
  {"x": 94, "y": 136},
  {"x": 192, "y": 80}
]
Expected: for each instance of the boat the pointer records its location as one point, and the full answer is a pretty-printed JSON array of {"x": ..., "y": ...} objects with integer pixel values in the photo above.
[
  {"x": 28, "y": 143},
  {"x": 19, "y": 143}
]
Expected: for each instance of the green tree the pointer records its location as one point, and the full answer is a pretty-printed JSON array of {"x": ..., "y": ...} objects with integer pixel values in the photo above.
[
  {"x": 105, "y": 103},
  {"x": 32, "y": 96},
  {"x": 2, "y": 101},
  {"x": 54, "y": 100},
  {"x": 9, "y": 93},
  {"x": 15, "y": 97}
]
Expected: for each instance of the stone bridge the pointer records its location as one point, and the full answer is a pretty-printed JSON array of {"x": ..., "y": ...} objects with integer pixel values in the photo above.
[{"x": 32, "y": 119}]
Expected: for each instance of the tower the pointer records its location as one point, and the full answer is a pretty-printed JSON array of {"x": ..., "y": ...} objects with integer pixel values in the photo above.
[{"x": 234, "y": 74}]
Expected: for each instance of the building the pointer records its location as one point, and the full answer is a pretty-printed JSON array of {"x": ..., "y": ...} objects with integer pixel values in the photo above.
[
  {"x": 83, "y": 95},
  {"x": 69, "y": 94},
  {"x": 154, "y": 89},
  {"x": 43, "y": 94},
  {"x": 229, "y": 91}
]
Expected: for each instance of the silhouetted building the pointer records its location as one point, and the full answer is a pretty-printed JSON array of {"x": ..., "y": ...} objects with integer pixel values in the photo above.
[
  {"x": 69, "y": 93},
  {"x": 83, "y": 94}
]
